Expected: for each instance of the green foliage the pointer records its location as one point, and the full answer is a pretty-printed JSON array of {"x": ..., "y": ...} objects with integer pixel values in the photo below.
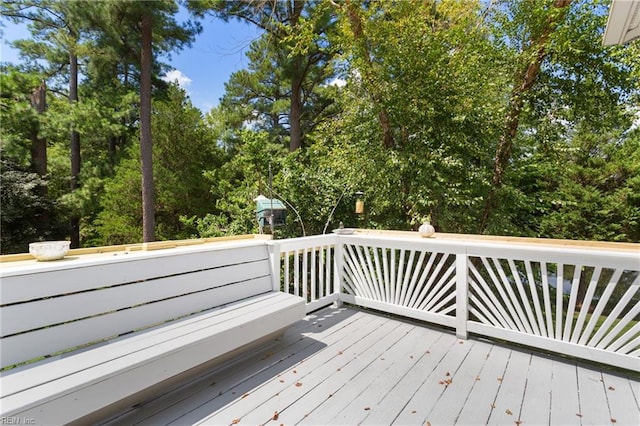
[
  {"x": 443, "y": 74},
  {"x": 183, "y": 149},
  {"x": 24, "y": 207}
]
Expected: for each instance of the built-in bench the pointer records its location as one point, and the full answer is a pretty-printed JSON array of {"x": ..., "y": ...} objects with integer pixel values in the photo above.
[{"x": 102, "y": 333}]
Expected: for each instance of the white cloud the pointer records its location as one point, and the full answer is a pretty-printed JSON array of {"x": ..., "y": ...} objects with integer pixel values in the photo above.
[{"x": 178, "y": 77}]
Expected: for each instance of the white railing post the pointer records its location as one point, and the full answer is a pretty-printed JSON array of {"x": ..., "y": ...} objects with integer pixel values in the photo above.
[
  {"x": 339, "y": 271},
  {"x": 462, "y": 295},
  {"x": 274, "y": 257}
]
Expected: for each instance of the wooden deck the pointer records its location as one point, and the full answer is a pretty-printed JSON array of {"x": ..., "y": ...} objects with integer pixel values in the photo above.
[{"x": 347, "y": 366}]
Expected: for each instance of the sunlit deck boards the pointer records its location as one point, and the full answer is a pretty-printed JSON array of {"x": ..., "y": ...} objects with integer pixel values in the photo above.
[{"x": 351, "y": 367}]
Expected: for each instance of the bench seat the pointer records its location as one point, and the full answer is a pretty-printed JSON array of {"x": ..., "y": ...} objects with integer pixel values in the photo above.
[{"x": 73, "y": 387}]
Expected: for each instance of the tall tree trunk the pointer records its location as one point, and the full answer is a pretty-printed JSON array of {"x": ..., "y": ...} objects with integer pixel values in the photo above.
[
  {"x": 74, "y": 221},
  {"x": 39, "y": 145},
  {"x": 39, "y": 149},
  {"x": 359, "y": 36},
  {"x": 295, "y": 110},
  {"x": 524, "y": 79},
  {"x": 146, "y": 143}
]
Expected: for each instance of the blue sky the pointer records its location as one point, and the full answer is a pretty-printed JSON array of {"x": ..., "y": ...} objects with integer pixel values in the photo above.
[{"x": 201, "y": 70}]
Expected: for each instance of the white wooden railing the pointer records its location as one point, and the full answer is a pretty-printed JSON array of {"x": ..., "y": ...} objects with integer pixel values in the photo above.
[{"x": 496, "y": 289}]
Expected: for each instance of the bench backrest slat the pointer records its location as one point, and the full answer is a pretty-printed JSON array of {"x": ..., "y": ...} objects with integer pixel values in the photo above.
[{"x": 71, "y": 307}]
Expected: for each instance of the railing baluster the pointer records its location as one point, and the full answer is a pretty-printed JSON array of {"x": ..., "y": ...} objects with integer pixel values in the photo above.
[
  {"x": 462, "y": 295},
  {"x": 586, "y": 304}
]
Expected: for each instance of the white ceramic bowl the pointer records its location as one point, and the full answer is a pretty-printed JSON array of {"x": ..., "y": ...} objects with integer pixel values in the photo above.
[{"x": 49, "y": 250}]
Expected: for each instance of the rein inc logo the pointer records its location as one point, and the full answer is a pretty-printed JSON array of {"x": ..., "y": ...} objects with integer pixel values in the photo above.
[{"x": 15, "y": 420}]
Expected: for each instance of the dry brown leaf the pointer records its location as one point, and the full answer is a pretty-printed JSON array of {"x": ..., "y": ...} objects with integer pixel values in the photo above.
[
  {"x": 235, "y": 421},
  {"x": 275, "y": 415},
  {"x": 611, "y": 388},
  {"x": 441, "y": 382},
  {"x": 613, "y": 420},
  {"x": 509, "y": 412},
  {"x": 367, "y": 408},
  {"x": 245, "y": 395},
  {"x": 518, "y": 422},
  {"x": 427, "y": 424},
  {"x": 477, "y": 377},
  {"x": 413, "y": 412},
  {"x": 295, "y": 372},
  {"x": 500, "y": 379},
  {"x": 339, "y": 352},
  {"x": 298, "y": 384},
  {"x": 281, "y": 381}
]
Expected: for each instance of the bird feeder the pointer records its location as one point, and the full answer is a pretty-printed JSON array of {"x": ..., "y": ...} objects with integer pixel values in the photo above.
[
  {"x": 359, "y": 202},
  {"x": 270, "y": 212}
]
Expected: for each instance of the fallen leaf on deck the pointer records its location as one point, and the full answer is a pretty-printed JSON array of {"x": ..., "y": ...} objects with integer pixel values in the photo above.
[
  {"x": 339, "y": 352},
  {"x": 298, "y": 384},
  {"x": 235, "y": 421},
  {"x": 275, "y": 416},
  {"x": 477, "y": 377},
  {"x": 613, "y": 420},
  {"x": 367, "y": 408},
  {"x": 448, "y": 374},
  {"x": 493, "y": 405},
  {"x": 411, "y": 356},
  {"x": 245, "y": 395},
  {"x": 295, "y": 372},
  {"x": 460, "y": 342},
  {"x": 441, "y": 382},
  {"x": 427, "y": 424},
  {"x": 500, "y": 379},
  {"x": 611, "y": 388},
  {"x": 413, "y": 412},
  {"x": 281, "y": 381},
  {"x": 578, "y": 414},
  {"x": 518, "y": 422},
  {"x": 509, "y": 412}
]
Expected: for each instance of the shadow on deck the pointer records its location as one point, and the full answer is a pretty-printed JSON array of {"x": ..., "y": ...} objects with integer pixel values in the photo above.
[{"x": 348, "y": 366}]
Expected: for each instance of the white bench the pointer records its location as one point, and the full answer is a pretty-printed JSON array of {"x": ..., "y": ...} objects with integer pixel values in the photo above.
[{"x": 143, "y": 321}]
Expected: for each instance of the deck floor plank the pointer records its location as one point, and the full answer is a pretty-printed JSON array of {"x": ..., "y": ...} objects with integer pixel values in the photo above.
[
  {"x": 537, "y": 397},
  {"x": 312, "y": 407},
  {"x": 622, "y": 396},
  {"x": 428, "y": 394},
  {"x": 478, "y": 405},
  {"x": 593, "y": 399},
  {"x": 459, "y": 385},
  {"x": 397, "y": 368},
  {"x": 356, "y": 367},
  {"x": 302, "y": 378},
  {"x": 508, "y": 402},
  {"x": 565, "y": 404}
]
